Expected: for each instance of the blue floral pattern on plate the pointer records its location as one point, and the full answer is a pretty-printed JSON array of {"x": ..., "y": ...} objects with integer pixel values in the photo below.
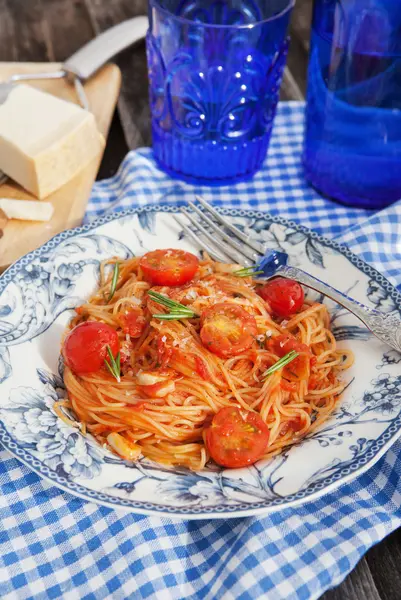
[{"x": 37, "y": 295}]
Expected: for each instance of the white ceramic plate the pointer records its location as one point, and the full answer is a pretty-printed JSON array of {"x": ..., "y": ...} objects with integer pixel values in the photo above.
[{"x": 37, "y": 296}]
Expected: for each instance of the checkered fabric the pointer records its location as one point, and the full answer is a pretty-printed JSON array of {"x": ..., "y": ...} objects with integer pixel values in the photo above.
[
  {"x": 279, "y": 187},
  {"x": 53, "y": 545}
]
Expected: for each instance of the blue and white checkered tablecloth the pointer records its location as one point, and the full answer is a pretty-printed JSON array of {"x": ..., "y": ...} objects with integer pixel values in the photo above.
[{"x": 53, "y": 545}]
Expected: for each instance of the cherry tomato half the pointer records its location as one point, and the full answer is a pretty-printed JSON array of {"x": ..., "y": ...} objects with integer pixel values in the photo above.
[
  {"x": 294, "y": 425},
  {"x": 169, "y": 267},
  {"x": 283, "y": 344},
  {"x": 85, "y": 347},
  {"x": 284, "y": 296},
  {"x": 227, "y": 329},
  {"x": 236, "y": 438},
  {"x": 132, "y": 322}
]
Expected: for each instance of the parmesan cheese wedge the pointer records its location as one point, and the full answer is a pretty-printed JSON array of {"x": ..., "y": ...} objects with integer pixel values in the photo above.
[
  {"x": 26, "y": 210},
  {"x": 45, "y": 141}
]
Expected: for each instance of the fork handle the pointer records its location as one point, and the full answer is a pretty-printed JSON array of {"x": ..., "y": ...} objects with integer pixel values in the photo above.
[{"x": 386, "y": 327}]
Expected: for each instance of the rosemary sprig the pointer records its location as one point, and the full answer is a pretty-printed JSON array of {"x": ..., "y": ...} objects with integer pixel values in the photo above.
[
  {"x": 247, "y": 272},
  {"x": 114, "y": 366},
  {"x": 114, "y": 280},
  {"x": 285, "y": 360},
  {"x": 176, "y": 310}
]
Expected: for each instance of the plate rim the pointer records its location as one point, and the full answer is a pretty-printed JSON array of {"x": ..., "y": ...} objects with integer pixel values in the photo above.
[{"x": 326, "y": 486}]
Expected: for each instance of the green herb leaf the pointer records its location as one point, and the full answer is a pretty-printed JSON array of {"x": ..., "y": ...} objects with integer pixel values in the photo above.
[
  {"x": 247, "y": 272},
  {"x": 114, "y": 366},
  {"x": 114, "y": 280},
  {"x": 173, "y": 316},
  {"x": 176, "y": 310},
  {"x": 285, "y": 360}
]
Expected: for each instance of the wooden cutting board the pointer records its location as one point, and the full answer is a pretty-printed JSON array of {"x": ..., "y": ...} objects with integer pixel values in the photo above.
[{"x": 19, "y": 237}]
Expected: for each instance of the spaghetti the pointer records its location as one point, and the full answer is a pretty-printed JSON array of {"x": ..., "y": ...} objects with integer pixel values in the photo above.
[{"x": 173, "y": 379}]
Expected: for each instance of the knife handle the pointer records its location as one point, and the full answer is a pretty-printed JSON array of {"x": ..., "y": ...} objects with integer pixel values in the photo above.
[{"x": 91, "y": 57}]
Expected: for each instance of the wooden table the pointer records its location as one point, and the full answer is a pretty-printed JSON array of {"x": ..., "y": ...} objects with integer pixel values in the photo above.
[{"x": 51, "y": 30}]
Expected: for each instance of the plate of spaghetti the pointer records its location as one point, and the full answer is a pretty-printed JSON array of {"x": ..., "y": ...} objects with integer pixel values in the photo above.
[{"x": 139, "y": 373}]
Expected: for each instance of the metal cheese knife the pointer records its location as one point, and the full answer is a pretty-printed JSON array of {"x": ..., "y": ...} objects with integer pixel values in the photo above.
[{"x": 84, "y": 63}]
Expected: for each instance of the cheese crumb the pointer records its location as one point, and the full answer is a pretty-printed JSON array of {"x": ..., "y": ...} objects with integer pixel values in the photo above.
[{"x": 26, "y": 210}]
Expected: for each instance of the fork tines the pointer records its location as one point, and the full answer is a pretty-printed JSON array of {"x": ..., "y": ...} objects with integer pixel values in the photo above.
[{"x": 217, "y": 236}]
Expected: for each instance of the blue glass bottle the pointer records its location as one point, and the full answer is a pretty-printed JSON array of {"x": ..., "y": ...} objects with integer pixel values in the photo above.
[{"x": 352, "y": 149}]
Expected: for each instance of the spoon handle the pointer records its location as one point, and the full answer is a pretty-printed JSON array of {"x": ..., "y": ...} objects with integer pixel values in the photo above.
[{"x": 386, "y": 327}]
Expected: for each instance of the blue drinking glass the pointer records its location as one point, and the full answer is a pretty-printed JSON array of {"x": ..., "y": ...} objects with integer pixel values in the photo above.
[
  {"x": 215, "y": 69},
  {"x": 352, "y": 149}
]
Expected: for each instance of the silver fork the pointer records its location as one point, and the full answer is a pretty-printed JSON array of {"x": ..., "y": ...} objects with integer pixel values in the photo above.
[{"x": 226, "y": 243}]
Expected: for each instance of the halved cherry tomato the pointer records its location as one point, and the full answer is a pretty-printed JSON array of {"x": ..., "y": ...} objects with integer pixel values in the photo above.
[
  {"x": 293, "y": 425},
  {"x": 284, "y": 296},
  {"x": 85, "y": 347},
  {"x": 227, "y": 329},
  {"x": 201, "y": 369},
  {"x": 283, "y": 344},
  {"x": 288, "y": 386},
  {"x": 236, "y": 438},
  {"x": 169, "y": 267},
  {"x": 164, "y": 351},
  {"x": 132, "y": 322}
]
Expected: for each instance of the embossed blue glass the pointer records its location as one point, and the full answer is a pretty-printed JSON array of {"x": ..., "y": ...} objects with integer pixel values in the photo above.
[
  {"x": 215, "y": 69},
  {"x": 353, "y": 125}
]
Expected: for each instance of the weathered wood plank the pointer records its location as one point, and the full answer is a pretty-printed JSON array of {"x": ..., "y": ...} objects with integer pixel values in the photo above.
[
  {"x": 384, "y": 561},
  {"x": 297, "y": 65},
  {"x": 294, "y": 82},
  {"x": 21, "y": 31},
  {"x": 290, "y": 90},
  {"x": 66, "y": 27},
  {"x": 42, "y": 30},
  {"x": 115, "y": 151},
  {"x": 359, "y": 585},
  {"x": 301, "y": 22},
  {"x": 133, "y": 104}
]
